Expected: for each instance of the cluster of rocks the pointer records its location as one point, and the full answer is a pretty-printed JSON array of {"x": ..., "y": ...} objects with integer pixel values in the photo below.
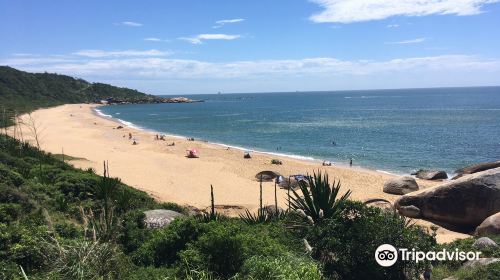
[
  {"x": 469, "y": 203},
  {"x": 147, "y": 100}
]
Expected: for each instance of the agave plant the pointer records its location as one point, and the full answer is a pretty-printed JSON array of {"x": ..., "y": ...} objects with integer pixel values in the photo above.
[{"x": 318, "y": 199}]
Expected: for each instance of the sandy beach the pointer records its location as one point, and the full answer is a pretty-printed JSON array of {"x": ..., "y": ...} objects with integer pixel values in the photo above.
[{"x": 167, "y": 174}]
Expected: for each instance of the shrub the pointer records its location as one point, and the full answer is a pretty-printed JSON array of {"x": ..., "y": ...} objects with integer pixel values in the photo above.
[
  {"x": 174, "y": 207},
  {"x": 23, "y": 244},
  {"x": 9, "y": 212},
  {"x": 223, "y": 251},
  {"x": 150, "y": 273},
  {"x": 345, "y": 244},
  {"x": 134, "y": 231},
  {"x": 488, "y": 272},
  {"x": 10, "y": 177},
  {"x": 165, "y": 244},
  {"x": 76, "y": 186},
  {"x": 223, "y": 247},
  {"x": 287, "y": 267},
  {"x": 67, "y": 230}
]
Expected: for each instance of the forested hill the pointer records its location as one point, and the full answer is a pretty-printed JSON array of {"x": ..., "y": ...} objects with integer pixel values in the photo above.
[{"x": 22, "y": 91}]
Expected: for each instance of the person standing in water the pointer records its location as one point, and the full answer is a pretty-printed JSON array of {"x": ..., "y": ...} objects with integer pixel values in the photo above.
[{"x": 350, "y": 162}]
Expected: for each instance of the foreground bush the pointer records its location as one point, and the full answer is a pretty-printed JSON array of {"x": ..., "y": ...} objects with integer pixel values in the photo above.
[
  {"x": 345, "y": 244},
  {"x": 287, "y": 267}
]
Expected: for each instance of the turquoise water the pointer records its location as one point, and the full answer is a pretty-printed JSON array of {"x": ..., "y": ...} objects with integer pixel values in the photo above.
[{"x": 392, "y": 130}]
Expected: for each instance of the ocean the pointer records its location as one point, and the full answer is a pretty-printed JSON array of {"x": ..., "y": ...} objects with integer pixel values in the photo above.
[{"x": 396, "y": 131}]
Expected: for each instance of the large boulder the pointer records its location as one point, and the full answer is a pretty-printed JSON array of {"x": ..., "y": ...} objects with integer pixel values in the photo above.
[
  {"x": 489, "y": 226},
  {"x": 271, "y": 209},
  {"x": 430, "y": 174},
  {"x": 160, "y": 217},
  {"x": 484, "y": 243},
  {"x": 381, "y": 203},
  {"x": 459, "y": 205},
  {"x": 476, "y": 168},
  {"x": 401, "y": 185}
]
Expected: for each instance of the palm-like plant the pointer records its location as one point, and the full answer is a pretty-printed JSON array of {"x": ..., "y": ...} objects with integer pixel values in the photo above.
[{"x": 319, "y": 198}]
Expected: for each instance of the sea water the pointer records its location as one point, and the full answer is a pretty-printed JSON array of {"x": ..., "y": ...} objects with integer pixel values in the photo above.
[{"x": 396, "y": 131}]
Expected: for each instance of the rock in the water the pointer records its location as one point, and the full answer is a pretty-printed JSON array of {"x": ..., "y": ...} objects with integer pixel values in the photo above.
[
  {"x": 267, "y": 176},
  {"x": 459, "y": 205},
  {"x": 430, "y": 174},
  {"x": 481, "y": 262},
  {"x": 484, "y": 243},
  {"x": 160, "y": 217},
  {"x": 489, "y": 226},
  {"x": 476, "y": 168},
  {"x": 401, "y": 185}
]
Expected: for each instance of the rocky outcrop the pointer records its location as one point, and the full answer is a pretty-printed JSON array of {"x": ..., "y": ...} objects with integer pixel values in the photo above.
[
  {"x": 475, "y": 168},
  {"x": 430, "y": 174},
  {"x": 160, "y": 217},
  {"x": 484, "y": 243},
  {"x": 147, "y": 99},
  {"x": 401, "y": 185},
  {"x": 459, "y": 205},
  {"x": 489, "y": 226}
]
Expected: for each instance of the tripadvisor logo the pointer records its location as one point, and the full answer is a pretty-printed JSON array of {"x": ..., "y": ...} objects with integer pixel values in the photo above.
[{"x": 387, "y": 255}]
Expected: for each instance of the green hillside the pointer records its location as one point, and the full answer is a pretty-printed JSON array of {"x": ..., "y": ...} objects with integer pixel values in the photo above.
[{"x": 22, "y": 91}]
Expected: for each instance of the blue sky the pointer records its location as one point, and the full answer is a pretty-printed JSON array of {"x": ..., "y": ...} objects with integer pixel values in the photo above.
[{"x": 185, "y": 46}]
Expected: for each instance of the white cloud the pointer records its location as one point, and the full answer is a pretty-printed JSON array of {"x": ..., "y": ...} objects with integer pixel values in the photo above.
[
  {"x": 412, "y": 41},
  {"x": 159, "y": 74},
  {"x": 159, "y": 67},
  {"x": 223, "y": 22},
  {"x": 392, "y": 25},
  {"x": 152, "y": 39},
  {"x": 129, "y": 23},
  {"x": 120, "y": 53},
  {"x": 347, "y": 11},
  {"x": 198, "y": 39}
]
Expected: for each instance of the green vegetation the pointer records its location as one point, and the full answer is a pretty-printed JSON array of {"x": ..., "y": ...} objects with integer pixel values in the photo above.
[
  {"x": 59, "y": 222},
  {"x": 22, "y": 92}
]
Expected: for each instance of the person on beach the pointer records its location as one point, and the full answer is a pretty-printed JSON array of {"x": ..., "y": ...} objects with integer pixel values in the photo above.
[
  {"x": 157, "y": 138},
  {"x": 350, "y": 162},
  {"x": 129, "y": 136},
  {"x": 134, "y": 143}
]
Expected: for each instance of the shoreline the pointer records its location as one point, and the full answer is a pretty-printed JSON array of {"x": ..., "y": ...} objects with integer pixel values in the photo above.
[
  {"x": 167, "y": 174},
  {"x": 131, "y": 125}
]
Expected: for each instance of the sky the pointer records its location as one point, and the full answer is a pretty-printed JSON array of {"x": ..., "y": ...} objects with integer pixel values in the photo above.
[{"x": 210, "y": 46}]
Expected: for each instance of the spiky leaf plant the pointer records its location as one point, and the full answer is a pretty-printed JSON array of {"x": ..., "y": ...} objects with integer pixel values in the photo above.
[{"x": 318, "y": 199}]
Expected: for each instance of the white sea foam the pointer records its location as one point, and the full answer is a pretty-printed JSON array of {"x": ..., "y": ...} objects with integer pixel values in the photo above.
[
  {"x": 385, "y": 172},
  {"x": 101, "y": 113},
  {"x": 129, "y": 124}
]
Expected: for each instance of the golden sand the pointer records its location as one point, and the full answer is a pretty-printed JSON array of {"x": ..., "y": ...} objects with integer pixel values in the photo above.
[{"x": 167, "y": 174}]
